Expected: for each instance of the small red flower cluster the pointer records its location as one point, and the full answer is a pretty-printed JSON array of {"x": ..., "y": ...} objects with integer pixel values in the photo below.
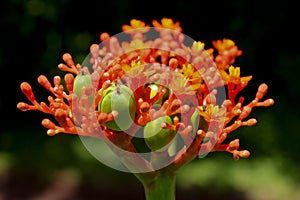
[{"x": 167, "y": 77}]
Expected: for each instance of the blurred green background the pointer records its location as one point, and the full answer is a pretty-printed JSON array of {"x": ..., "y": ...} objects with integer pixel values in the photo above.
[{"x": 34, "y": 35}]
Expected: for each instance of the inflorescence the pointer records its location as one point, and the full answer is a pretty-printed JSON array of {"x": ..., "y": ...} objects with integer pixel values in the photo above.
[{"x": 188, "y": 78}]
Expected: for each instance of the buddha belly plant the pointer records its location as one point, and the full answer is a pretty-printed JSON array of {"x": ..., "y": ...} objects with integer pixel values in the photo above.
[{"x": 156, "y": 102}]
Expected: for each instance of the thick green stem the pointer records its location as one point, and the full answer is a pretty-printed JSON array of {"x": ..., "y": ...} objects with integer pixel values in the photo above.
[{"x": 161, "y": 187}]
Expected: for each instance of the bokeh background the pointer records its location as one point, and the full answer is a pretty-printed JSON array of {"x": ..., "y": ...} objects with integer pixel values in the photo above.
[{"x": 35, "y": 33}]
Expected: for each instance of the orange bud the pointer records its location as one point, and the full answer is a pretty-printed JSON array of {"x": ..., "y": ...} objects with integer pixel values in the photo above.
[
  {"x": 250, "y": 122},
  {"x": 233, "y": 145},
  {"x": 262, "y": 89},
  {"x": 245, "y": 112},
  {"x": 60, "y": 116},
  {"x": 63, "y": 67},
  {"x": 244, "y": 154},
  {"x": 52, "y": 132},
  {"x": 23, "y": 106},
  {"x": 44, "y": 82},
  {"x": 69, "y": 79},
  {"x": 104, "y": 36},
  {"x": 268, "y": 102},
  {"x": 211, "y": 98},
  {"x": 56, "y": 80},
  {"x": 144, "y": 107},
  {"x": 102, "y": 117},
  {"x": 27, "y": 90},
  {"x": 48, "y": 124},
  {"x": 173, "y": 63},
  {"x": 114, "y": 45},
  {"x": 68, "y": 59},
  {"x": 94, "y": 48}
]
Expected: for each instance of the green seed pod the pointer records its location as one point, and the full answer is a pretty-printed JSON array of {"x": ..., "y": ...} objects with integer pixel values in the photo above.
[
  {"x": 153, "y": 92},
  {"x": 154, "y": 89},
  {"x": 155, "y": 136},
  {"x": 111, "y": 88},
  {"x": 118, "y": 98},
  {"x": 80, "y": 81}
]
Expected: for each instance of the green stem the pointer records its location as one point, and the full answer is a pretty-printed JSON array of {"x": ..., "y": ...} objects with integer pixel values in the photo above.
[{"x": 161, "y": 187}]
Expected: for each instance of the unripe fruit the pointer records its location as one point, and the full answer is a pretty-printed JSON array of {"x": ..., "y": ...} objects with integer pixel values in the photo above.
[
  {"x": 80, "y": 81},
  {"x": 157, "y": 137},
  {"x": 111, "y": 88},
  {"x": 118, "y": 98},
  {"x": 154, "y": 90}
]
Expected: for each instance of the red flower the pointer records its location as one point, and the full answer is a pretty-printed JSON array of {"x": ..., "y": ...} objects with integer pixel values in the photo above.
[{"x": 187, "y": 78}]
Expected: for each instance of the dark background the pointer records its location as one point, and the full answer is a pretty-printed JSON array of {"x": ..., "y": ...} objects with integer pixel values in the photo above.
[{"x": 35, "y": 33}]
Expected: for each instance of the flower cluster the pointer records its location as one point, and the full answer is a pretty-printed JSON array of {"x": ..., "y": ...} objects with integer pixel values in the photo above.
[{"x": 167, "y": 77}]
